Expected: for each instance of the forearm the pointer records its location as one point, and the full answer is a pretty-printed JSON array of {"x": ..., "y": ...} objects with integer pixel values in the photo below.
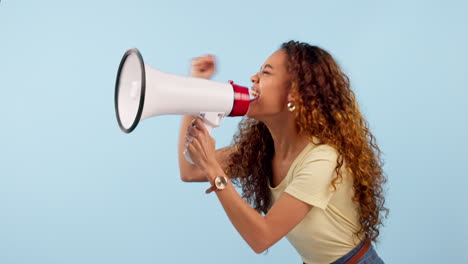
[
  {"x": 250, "y": 224},
  {"x": 185, "y": 168}
]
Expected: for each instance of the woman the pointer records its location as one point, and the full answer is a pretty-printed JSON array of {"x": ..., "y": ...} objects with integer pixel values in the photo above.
[{"x": 304, "y": 157}]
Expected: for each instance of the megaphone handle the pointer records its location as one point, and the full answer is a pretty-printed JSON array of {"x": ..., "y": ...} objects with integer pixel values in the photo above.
[
  {"x": 210, "y": 120},
  {"x": 187, "y": 157},
  {"x": 209, "y": 127}
]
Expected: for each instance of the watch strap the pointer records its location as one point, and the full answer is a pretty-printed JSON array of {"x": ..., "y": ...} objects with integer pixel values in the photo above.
[{"x": 212, "y": 188}]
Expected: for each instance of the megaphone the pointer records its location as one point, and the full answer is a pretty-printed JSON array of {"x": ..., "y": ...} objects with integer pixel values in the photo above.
[{"x": 142, "y": 91}]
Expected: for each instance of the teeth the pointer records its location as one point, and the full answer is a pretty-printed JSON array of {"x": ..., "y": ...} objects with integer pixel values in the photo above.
[{"x": 254, "y": 93}]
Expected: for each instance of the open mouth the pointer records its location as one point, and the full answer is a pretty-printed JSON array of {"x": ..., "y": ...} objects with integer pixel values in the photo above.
[{"x": 254, "y": 95}]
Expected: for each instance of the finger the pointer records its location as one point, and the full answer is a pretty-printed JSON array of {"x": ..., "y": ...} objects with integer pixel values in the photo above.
[
  {"x": 202, "y": 60},
  {"x": 204, "y": 67},
  {"x": 197, "y": 125},
  {"x": 190, "y": 151},
  {"x": 208, "y": 65},
  {"x": 210, "y": 57},
  {"x": 197, "y": 146},
  {"x": 194, "y": 149},
  {"x": 198, "y": 64},
  {"x": 194, "y": 128},
  {"x": 201, "y": 126},
  {"x": 191, "y": 130},
  {"x": 197, "y": 60},
  {"x": 188, "y": 139},
  {"x": 193, "y": 122}
]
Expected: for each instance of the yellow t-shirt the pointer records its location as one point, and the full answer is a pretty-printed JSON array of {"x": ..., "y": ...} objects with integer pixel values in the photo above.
[{"x": 327, "y": 231}]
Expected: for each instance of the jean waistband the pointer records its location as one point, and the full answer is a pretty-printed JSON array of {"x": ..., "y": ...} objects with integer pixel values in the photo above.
[{"x": 350, "y": 254}]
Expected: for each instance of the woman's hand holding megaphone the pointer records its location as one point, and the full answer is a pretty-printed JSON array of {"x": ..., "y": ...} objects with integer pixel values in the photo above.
[
  {"x": 201, "y": 146},
  {"x": 203, "y": 67}
]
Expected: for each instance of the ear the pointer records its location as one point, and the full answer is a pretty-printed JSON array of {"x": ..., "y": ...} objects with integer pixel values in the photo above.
[{"x": 290, "y": 93}]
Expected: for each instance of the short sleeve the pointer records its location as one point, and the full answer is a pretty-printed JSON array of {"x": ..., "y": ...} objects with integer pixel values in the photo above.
[{"x": 311, "y": 181}]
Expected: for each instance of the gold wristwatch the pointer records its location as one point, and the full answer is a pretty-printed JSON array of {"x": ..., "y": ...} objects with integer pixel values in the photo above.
[{"x": 219, "y": 184}]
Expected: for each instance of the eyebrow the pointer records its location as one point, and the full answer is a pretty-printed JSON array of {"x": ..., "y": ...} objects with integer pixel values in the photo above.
[{"x": 266, "y": 65}]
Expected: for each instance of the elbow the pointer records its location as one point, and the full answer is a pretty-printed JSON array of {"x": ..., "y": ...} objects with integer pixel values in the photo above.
[
  {"x": 185, "y": 178},
  {"x": 263, "y": 243},
  {"x": 260, "y": 240},
  {"x": 185, "y": 175},
  {"x": 259, "y": 249},
  {"x": 260, "y": 246}
]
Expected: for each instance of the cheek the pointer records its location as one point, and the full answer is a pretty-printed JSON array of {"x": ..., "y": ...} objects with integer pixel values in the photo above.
[
  {"x": 272, "y": 101},
  {"x": 276, "y": 93},
  {"x": 268, "y": 104}
]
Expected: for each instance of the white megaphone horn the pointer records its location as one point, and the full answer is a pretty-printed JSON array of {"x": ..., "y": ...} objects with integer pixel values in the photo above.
[{"x": 142, "y": 91}]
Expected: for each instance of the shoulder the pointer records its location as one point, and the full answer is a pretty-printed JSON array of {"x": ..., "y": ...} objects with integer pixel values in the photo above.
[
  {"x": 322, "y": 152},
  {"x": 316, "y": 157}
]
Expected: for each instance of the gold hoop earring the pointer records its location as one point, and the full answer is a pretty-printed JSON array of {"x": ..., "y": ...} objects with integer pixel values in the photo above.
[{"x": 291, "y": 106}]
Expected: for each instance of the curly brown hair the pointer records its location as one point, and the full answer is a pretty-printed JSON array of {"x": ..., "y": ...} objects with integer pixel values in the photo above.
[{"x": 326, "y": 109}]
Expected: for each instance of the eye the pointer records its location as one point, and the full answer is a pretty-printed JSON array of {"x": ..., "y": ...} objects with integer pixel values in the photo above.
[{"x": 266, "y": 72}]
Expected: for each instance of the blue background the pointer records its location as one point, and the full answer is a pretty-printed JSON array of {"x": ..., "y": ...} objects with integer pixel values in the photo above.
[{"x": 75, "y": 189}]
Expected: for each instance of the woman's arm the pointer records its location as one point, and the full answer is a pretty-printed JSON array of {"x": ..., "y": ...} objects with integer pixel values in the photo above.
[{"x": 260, "y": 232}]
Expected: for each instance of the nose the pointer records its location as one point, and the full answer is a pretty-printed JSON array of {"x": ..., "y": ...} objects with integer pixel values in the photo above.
[{"x": 254, "y": 78}]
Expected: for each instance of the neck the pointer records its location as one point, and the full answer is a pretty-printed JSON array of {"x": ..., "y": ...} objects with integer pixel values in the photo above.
[{"x": 287, "y": 141}]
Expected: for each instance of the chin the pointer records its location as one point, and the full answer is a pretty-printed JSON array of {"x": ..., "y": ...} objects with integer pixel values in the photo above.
[
  {"x": 249, "y": 114},
  {"x": 252, "y": 116}
]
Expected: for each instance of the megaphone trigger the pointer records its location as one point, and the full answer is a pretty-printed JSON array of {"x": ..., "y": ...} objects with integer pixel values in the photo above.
[{"x": 211, "y": 120}]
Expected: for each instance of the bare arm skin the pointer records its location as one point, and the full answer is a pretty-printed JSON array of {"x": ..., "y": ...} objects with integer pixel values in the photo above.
[{"x": 189, "y": 172}]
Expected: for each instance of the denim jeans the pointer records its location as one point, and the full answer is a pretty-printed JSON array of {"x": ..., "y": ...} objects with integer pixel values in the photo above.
[{"x": 370, "y": 257}]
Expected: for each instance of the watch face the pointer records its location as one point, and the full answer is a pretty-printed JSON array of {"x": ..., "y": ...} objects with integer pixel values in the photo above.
[{"x": 220, "y": 182}]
